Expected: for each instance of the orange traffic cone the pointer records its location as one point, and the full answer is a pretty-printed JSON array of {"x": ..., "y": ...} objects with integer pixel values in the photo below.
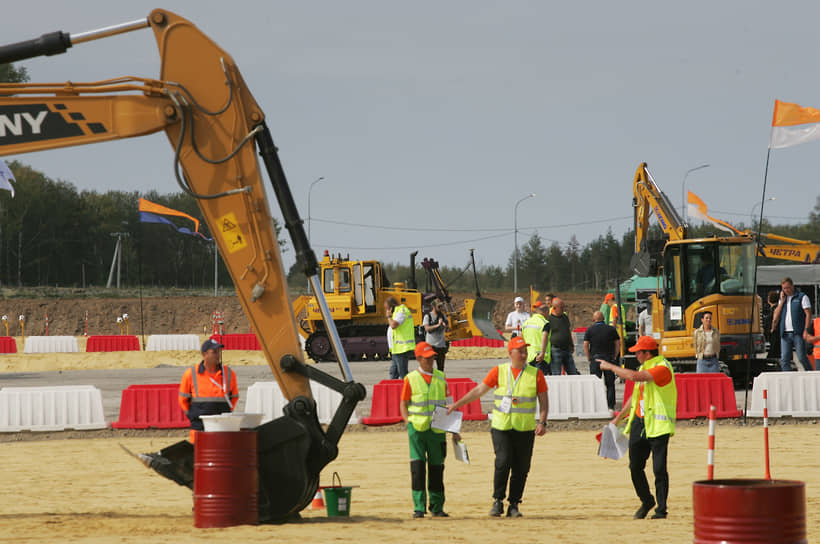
[{"x": 318, "y": 502}]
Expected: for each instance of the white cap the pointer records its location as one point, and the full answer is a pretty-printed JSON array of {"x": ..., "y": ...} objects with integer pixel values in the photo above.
[{"x": 518, "y": 299}]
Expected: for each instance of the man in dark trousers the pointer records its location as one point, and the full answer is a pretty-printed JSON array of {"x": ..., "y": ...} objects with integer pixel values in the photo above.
[
  {"x": 601, "y": 341},
  {"x": 561, "y": 340}
]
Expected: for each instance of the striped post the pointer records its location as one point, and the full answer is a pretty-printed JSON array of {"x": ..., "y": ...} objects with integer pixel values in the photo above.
[
  {"x": 46, "y": 323},
  {"x": 710, "y": 458},
  {"x": 766, "y": 431}
]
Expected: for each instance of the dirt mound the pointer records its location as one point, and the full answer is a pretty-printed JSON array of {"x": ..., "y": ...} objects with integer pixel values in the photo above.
[{"x": 193, "y": 315}]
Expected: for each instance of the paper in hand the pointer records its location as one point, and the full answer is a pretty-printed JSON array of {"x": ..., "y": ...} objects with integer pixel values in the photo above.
[
  {"x": 614, "y": 443},
  {"x": 460, "y": 451},
  {"x": 446, "y": 422}
]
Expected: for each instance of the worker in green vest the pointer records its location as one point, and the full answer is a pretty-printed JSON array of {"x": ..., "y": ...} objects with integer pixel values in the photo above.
[
  {"x": 536, "y": 333},
  {"x": 400, "y": 320},
  {"x": 422, "y": 391},
  {"x": 514, "y": 427},
  {"x": 651, "y": 422}
]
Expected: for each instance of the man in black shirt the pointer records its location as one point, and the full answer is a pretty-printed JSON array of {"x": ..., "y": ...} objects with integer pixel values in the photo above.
[
  {"x": 601, "y": 341},
  {"x": 561, "y": 340}
]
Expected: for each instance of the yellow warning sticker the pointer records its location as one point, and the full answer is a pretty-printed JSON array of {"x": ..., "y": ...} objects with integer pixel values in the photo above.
[{"x": 231, "y": 233}]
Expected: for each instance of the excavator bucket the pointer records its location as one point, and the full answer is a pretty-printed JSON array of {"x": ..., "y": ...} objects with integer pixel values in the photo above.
[{"x": 479, "y": 314}]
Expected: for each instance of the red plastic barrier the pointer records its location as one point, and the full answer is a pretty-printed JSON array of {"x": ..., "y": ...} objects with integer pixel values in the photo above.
[
  {"x": 696, "y": 392},
  {"x": 384, "y": 406},
  {"x": 112, "y": 343},
  {"x": 478, "y": 342},
  {"x": 238, "y": 341},
  {"x": 146, "y": 405},
  {"x": 7, "y": 344}
]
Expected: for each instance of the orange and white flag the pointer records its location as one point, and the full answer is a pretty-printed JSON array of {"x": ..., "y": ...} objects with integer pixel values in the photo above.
[
  {"x": 793, "y": 124},
  {"x": 697, "y": 208}
]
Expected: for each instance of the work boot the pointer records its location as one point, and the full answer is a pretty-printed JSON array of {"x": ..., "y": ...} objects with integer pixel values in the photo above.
[
  {"x": 512, "y": 511},
  {"x": 441, "y": 514},
  {"x": 658, "y": 515},
  {"x": 644, "y": 509},
  {"x": 418, "y": 514},
  {"x": 497, "y": 509}
]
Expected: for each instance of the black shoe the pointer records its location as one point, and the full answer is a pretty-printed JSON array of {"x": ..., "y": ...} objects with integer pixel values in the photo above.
[
  {"x": 658, "y": 515},
  {"x": 512, "y": 511},
  {"x": 497, "y": 509},
  {"x": 418, "y": 514},
  {"x": 441, "y": 514},
  {"x": 644, "y": 509}
]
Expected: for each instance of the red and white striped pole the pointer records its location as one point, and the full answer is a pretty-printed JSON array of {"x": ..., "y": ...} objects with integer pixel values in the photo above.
[
  {"x": 766, "y": 430},
  {"x": 710, "y": 457},
  {"x": 46, "y": 324},
  {"x": 85, "y": 327}
]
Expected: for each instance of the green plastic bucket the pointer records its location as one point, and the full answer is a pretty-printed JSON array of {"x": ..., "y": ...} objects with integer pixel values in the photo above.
[{"x": 337, "y": 498}]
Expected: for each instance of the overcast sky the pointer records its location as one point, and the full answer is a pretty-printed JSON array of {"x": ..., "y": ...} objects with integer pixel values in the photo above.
[{"x": 441, "y": 115}]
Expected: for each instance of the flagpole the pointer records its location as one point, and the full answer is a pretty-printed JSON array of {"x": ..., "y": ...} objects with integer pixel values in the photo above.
[
  {"x": 754, "y": 284},
  {"x": 216, "y": 269}
]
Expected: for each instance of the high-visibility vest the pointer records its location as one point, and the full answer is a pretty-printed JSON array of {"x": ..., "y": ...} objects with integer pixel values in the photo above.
[
  {"x": 404, "y": 336},
  {"x": 660, "y": 404},
  {"x": 531, "y": 331},
  {"x": 424, "y": 399},
  {"x": 524, "y": 397},
  {"x": 816, "y": 351},
  {"x": 206, "y": 395}
]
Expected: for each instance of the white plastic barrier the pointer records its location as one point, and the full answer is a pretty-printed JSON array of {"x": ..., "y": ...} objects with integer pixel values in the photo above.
[
  {"x": 795, "y": 394},
  {"x": 266, "y": 398},
  {"x": 581, "y": 396},
  {"x": 173, "y": 342},
  {"x": 51, "y": 408},
  {"x": 51, "y": 344}
]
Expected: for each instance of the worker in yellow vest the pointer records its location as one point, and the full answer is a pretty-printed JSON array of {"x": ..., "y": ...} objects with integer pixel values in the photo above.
[
  {"x": 651, "y": 422},
  {"x": 536, "y": 333},
  {"x": 422, "y": 391},
  {"x": 514, "y": 427},
  {"x": 400, "y": 320}
]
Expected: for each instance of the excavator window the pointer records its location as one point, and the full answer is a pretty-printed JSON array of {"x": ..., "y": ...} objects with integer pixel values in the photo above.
[
  {"x": 674, "y": 303},
  {"x": 344, "y": 280},
  {"x": 358, "y": 284},
  {"x": 369, "y": 287},
  {"x": 327, "y": 280}
]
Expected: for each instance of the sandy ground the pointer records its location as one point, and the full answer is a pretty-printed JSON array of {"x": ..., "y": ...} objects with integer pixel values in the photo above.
[{"x": 91, "y": 491}]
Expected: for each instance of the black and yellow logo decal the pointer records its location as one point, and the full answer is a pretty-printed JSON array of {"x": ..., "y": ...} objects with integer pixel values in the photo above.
[{"x": 35, "y": 122}]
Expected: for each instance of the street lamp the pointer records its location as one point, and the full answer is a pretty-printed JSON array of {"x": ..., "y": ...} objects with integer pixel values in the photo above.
[
  {"x": 515, "y": 255},
  {"x": 755, "y": 205},
  {"x": 683, "y": 189},
  {"x": 310, "y": 190}
]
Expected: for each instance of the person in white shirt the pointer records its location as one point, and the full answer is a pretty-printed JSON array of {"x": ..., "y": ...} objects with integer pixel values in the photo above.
[
  {"x": 516, "y": 318},
  {"x": 645, "y": 320},
  {"x": 794, "y": 313}
]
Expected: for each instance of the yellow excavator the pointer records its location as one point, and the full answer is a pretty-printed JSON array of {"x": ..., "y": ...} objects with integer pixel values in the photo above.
[
  {"x": 215, "y": 128},
  {"x": 355, "y": 292},
  {"x": 696, "y": 275}
]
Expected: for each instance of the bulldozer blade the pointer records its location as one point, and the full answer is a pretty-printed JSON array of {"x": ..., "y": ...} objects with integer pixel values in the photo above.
[{"x": 481, "y": 318}]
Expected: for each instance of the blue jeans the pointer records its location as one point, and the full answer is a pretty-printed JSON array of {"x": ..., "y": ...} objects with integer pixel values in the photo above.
[
  {"x": 708, "y": 364},
  {"x": 788, "y": 340},
  {"x": 562, "y": 358},
  {"x": 398, "y": 365}
]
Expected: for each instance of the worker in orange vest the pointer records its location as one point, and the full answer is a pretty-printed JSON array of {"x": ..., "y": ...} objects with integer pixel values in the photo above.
[
  {"x": 208, "y": 388},
  {"x": 811, "y": 334}
]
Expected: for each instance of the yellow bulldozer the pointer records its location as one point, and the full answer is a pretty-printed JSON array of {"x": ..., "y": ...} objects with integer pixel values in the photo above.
[{"x": 355, "y": 292}]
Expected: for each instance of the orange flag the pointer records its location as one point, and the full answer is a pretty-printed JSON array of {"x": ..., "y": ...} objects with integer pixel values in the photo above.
[
  {"x": 793, "y": 124},
  {"x": 150, "y": 207}
]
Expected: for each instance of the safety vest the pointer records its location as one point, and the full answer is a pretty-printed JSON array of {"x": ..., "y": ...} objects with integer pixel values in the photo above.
[
  {"x": 797, "y": 314},
  {"x": 531, "y": 331},
  {"x": 523, "y": 394},
  {"x": 816, "y": 351},
  {"x": 425, "y": 398},
  {"x": 404, "y": 336},
  {"x": 660, "y": 404},
  {"x": 215, "y": 397}
]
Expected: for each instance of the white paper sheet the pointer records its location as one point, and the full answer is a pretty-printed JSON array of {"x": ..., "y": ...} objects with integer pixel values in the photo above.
[
  {"x": 460, "y": 451},
  {"x": 446, "y": 422},
  {"x": 613, "y": 443}
]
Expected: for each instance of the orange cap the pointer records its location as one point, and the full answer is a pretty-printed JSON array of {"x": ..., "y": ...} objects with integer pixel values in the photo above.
[
  {"x": 609, "y": 296},
  {"x": 537, "y": 304},
  {"x": 644, "y": 343},
  {"x": 423, "y": 349},
  {"x": 516, "y": 343}
]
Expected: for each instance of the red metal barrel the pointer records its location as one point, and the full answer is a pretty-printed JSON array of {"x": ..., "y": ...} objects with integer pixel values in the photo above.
[
  {"x": 749, "y": 511},
  {"x": 226, "y": 479}
]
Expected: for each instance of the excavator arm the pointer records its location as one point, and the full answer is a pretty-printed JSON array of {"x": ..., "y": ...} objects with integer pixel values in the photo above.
[
  {"x": 647, "y": 198},
  {"x": 215, "y": 128}
]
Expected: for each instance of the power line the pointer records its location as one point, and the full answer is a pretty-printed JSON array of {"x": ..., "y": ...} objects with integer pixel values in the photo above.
[{"x": 466, "y": 229}]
